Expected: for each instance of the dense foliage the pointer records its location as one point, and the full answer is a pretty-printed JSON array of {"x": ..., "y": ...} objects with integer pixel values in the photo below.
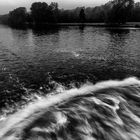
[
  {"x": 82, "y": 15},
  {"x": 116, "y": 11},
  {"x": 17, "y": 16},
  {"x": 120, "y": 11},
  {"x": 44, "y": 13}
]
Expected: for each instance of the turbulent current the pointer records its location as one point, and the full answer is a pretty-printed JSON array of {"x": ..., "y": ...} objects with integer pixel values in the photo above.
[{"x": 108, "y": 110}]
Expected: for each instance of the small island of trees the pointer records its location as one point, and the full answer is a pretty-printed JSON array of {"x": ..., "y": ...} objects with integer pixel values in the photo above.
[{"x": 113, "y": 12}]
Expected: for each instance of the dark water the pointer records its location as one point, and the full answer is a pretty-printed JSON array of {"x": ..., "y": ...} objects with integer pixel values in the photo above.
[{"x": 37, "y": 59}]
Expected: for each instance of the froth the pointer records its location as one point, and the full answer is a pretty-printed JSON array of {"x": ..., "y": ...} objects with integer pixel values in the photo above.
[{"x": 106, "y": 110}]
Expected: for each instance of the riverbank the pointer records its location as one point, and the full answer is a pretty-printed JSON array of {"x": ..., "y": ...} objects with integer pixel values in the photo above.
[
  {"x": 50, "y": 25},
  {"x": 128, "y": 24}
]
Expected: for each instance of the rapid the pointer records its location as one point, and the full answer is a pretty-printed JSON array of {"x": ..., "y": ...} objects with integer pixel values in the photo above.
[{"x": 107, "y": 110}]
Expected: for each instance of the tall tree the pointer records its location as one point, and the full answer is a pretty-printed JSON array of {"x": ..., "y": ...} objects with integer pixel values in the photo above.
[
  {"x": 43, "y": 13},
  {"x": 120, "y": 11},
  {"x": 82, "y": 15},
  {"x": 55, "y": 11},
  {"x": 135, "y": 17},
  {"x": 39, "y": 12},
  {"x": 18, "y": 16}
]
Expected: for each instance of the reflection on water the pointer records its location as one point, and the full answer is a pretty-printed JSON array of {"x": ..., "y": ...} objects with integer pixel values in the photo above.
[{"x": 32, "y": 58}]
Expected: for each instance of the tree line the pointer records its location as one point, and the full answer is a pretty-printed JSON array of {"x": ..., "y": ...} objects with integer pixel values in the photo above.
[{"x": 114, "y": 12}]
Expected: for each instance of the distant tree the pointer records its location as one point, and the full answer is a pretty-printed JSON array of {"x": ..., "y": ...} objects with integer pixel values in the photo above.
[
  {"x": 135, "y": 17},
  {"x": 82, "y": 16},
  {"x": 4, "y": 19},
  {"x": 114, "y": 12},
  {"x": 54, "y": 6},
  {"x": 97, "y": 14},
  {"x": 43, "y": 13},
  {"x": 39, "y": 12},
  {"x": 55, "y": 11},
  {"x": 120, "y": 11},
  {"x": 18, "y": 16}
]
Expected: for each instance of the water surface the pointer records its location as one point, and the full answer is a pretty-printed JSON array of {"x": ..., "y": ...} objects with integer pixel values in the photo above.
[{"x": 37, "y": 59}]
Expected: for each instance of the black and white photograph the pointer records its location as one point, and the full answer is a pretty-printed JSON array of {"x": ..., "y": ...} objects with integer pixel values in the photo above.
[{"x": 69, "y": 69}]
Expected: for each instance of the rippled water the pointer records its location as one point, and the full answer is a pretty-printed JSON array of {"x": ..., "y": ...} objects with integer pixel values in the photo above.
[
  {"x": 32, "y": 58},
  {"x": 35, "y": 62},
  {"x": 31, "y": 54}
]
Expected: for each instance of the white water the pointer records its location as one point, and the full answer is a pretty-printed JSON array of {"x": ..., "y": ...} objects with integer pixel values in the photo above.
[{"x": 55, "y": 111}]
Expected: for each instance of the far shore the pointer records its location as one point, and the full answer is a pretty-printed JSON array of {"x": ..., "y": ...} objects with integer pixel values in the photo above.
[{"x": 126, "y": 25}]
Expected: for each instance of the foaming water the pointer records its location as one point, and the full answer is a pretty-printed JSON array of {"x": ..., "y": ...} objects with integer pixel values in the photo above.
[{"x": 105, "y": 111}]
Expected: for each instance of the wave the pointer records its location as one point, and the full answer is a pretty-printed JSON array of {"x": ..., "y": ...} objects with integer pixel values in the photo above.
[{"x": 108, "y": 110}]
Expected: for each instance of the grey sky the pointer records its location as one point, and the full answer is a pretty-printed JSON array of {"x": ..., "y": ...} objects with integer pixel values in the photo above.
[{"x": 7, "y": 5}]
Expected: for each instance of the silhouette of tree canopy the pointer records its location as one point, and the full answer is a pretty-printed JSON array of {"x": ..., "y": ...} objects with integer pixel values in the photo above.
[
  {"x": 135, "y": 16},
  {"x": 55, "y": 11},
  {"x": 120, "y": 11},
  {"x": 96, "y": 14},
  {"x": 43, "y": 13},
  {"x": 82, "y": 15},
  {"x": 17, "y": 16},
  {"x": 116, "y": 11}
]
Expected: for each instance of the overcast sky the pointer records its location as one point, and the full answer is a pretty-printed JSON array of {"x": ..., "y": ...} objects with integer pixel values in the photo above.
[{"x": 7, "y": 5}]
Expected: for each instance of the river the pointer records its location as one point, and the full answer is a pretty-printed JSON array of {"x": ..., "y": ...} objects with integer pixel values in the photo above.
[{"x": 35, "y": 62}]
